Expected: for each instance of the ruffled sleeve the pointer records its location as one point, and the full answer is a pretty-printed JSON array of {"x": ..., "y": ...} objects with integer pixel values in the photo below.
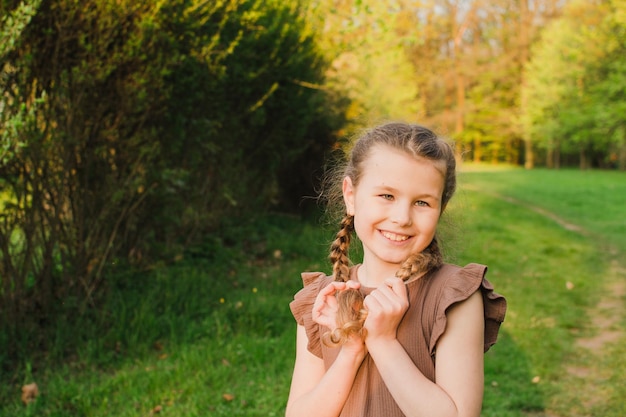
[
  {"x": 459, "y": 286},
  {"x": 302, "y": 306}
]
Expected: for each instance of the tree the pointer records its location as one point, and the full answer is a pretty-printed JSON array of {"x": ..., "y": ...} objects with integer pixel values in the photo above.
[
  {"x": 608, "y": 89},
  {"x": 365, "y": 42},
  {"x": 576, "y": 83},
  {"x": 469, "y": 64}
]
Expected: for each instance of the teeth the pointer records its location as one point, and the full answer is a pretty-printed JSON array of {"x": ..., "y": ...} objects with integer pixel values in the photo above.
[{"x": 395, "y": 237}]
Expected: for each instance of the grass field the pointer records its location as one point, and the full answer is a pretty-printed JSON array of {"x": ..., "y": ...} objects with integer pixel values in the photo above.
[{"x": 213, "y": 336}]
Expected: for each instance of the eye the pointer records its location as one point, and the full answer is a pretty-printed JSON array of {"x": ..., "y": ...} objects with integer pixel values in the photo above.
[
  {"x": 422, "y": 203},
  {"x": 386, "y": 196}
]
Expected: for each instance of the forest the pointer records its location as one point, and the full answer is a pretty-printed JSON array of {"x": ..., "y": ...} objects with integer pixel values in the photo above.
[{"x": 132, "y": 131}]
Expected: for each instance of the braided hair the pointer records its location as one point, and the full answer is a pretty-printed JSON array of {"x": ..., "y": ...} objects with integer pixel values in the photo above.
[{"x": 417, "y": 141}]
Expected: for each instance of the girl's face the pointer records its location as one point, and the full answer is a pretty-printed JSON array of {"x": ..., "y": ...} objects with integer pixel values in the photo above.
[{"x": 396, "y": 206}]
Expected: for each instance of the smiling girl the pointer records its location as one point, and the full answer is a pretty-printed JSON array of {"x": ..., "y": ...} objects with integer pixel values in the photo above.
[{"x": 402, "y": 333}]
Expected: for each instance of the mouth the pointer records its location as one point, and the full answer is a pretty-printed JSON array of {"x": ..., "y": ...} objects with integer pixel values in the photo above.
[{"x": 394, "y": 237}]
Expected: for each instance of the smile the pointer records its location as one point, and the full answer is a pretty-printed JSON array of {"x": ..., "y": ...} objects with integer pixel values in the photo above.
[{"x": 394, "y": 237}]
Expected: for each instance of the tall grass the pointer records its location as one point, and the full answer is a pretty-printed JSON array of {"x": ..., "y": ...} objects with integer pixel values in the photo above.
[{"x": 213, "y": 335}]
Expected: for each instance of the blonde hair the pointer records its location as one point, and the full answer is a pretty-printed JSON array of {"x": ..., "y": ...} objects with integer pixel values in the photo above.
[{"x": 417, "y": 141}]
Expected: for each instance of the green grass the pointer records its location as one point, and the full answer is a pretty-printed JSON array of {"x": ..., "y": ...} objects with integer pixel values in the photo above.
[
  {"x": 532, "y": 259},
  {"x": 187, "y": 337},
  {"x": 595, "y": 200},
  {"x": 213, "y": 335}
]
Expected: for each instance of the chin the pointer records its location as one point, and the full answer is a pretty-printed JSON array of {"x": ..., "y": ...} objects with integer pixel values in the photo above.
[{"x": 395, "y": 261}]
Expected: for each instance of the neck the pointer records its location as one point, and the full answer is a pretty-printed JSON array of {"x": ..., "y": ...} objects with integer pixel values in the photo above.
[{"x": 373, "y": 275}]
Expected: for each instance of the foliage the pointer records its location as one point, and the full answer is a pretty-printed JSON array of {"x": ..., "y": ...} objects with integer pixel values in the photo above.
[
  {"x": 576, "y": 91},
  {"x": 129, "y": 129},
  {"x": 468, "y": 58},
  {"x": 365, "y": 43},
  {"x": 12, "y": 25}
]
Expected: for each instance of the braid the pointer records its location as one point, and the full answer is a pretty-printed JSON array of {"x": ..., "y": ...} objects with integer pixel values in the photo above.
[
  {"x": 339, "y": 249},
  {"x": 436, "y": 257},
  {"x": 350, "y": 311},
  {"x": 350, "y": 317},
  {"x": 416, "y": 141},
  {"x": 425, "y": 261}
]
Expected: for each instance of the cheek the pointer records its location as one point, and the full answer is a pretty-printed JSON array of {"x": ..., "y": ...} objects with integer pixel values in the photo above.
[
  {"x": 368, "y": 211},
  {"x": 428, "y": 221},
  {"x": 365, "y": 218}
]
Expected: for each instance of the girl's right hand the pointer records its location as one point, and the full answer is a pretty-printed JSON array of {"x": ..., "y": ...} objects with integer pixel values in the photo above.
[{"x": 325, "y": 306}]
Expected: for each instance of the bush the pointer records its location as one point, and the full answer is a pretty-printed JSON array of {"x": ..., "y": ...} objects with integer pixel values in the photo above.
[{"x": 130, "y": 129}]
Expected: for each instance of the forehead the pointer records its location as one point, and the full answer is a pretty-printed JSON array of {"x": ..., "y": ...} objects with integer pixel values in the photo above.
[
  {"x": 398, "y": 172},
  {"x": 388, "y": 164}
]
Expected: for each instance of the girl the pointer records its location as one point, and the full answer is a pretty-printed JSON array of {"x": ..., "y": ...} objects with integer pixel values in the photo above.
[{"x": 401, "y": 334}]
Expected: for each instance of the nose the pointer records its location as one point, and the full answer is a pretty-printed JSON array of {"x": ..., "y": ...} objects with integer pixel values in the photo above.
[{"x": 401, "y": 215}]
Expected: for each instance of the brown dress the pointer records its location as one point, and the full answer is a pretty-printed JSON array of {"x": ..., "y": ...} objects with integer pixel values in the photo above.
[{"x": 418, "y": 332}]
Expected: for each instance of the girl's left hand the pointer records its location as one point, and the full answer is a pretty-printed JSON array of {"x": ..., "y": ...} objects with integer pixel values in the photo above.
[{"x": 386, "y": 306}]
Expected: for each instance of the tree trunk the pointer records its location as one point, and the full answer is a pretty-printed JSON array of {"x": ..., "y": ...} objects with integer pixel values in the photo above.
[
  {"x": 557, "y": 155},
  {"x": 584, "y": 163},
  {"x": 529, "y": 156},
  {"x": 524, "y": 45},
  {"x": 508, "y": 151},
  {"x": 550, "y": 158},
  {"x": 458, "y": 30},
  {"x": 477, "y": 149}
]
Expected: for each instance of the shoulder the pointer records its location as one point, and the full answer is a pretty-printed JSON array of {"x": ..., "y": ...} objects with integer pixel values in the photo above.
[
  {"x": 452, "y": 283},
  {"x": 470, "y": 273},
  {"x": 467, "y": 286}
]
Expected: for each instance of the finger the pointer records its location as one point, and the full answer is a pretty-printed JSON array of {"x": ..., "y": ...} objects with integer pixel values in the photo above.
[
  {"x": 325, "y": 304},
  {"x": 384, "y": 292},
  {"x": 332, "y": 287},
  {"x": 353, "y": 284},
  {"x": 324, "y": 300},
  {"x": 323, "y": 313},
  {"x": 326, "y": 296},
  {"x": 386, "y": 300},
  {"x": 372, "y": 302},
  {"x": 397, "y": 286}
]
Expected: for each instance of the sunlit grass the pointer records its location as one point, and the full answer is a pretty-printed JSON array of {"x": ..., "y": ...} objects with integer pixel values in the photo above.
[
  {"x": 213, "y": 335},
  {"x": 595, "y": 200},
  {"x": 533, "y": 261},
  {"x": 552, "y": 278}
]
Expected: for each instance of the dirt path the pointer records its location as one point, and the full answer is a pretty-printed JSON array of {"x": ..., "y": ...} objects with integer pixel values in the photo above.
[
  {"x": 584, "y": 381},
  {"x": 605, "y": 317}
]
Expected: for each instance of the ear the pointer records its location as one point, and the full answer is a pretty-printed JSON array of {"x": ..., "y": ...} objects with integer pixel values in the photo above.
[{"x": 348, "y": 195}]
